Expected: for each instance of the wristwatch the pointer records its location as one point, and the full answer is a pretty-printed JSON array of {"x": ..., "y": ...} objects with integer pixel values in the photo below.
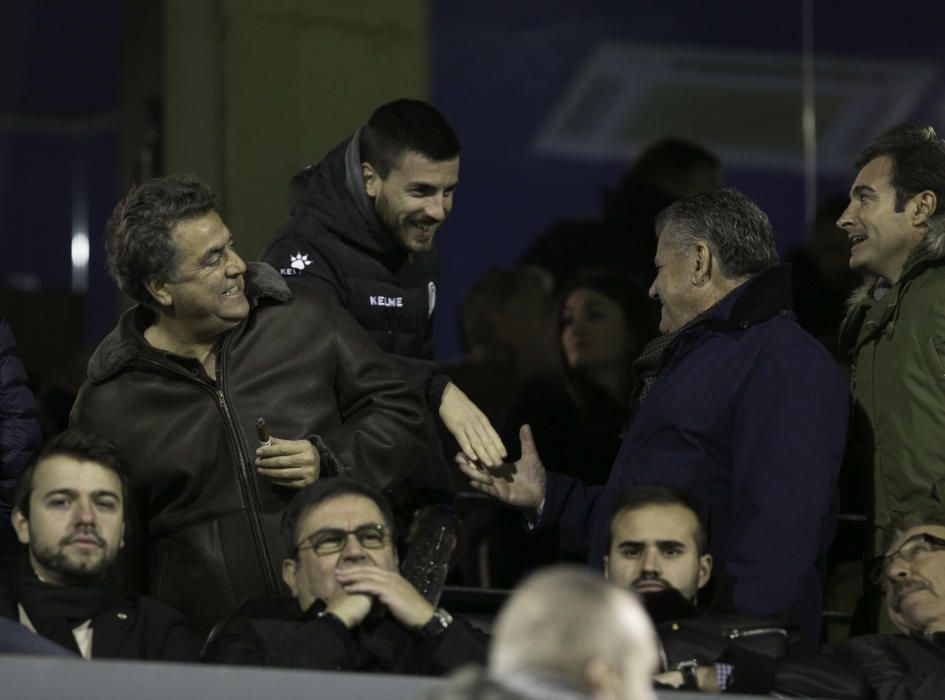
[
  {"x": 688, "y": 670},
  {"x": 437, "y": 624}
]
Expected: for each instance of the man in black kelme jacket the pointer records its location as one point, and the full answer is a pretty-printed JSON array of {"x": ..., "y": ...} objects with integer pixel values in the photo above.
[{"x": 362, "y": 225}]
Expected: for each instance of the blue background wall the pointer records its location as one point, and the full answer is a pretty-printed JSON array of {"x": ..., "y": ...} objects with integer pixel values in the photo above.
[
  {"x": 500, "y": 67},
  {"x": 497, "y": 69}
]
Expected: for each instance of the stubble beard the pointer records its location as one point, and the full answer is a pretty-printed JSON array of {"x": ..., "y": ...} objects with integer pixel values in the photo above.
[{"x": 76, "y": 570}]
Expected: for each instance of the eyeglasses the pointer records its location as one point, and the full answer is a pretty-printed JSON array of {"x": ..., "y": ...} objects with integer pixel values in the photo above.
[
  {"x": 332, "y": 539},
  {"x": 913, "y": 548}
]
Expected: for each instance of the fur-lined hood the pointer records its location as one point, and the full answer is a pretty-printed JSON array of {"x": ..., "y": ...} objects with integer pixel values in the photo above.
[
  {"x": 120, "y": 347},
  {"x": 929, "y": 252}
]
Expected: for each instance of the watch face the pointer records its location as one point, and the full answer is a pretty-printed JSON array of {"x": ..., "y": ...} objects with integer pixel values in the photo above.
[
  {"x": 439, "y": 622},
  {"x": 444, "y": 617}
]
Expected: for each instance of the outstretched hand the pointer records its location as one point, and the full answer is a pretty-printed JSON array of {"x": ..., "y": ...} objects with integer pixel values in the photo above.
[
  {"x": 476, "y": 437},
  {"x": 521, "y": 483}
]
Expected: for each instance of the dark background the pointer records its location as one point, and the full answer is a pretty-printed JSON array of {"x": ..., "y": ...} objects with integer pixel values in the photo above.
[{"x": 74, "y": 119}]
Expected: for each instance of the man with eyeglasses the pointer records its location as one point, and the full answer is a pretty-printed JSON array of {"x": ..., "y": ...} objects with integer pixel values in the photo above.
[
  {"x": 352, "y": 610},
  {"x": 911, "y": 576}
]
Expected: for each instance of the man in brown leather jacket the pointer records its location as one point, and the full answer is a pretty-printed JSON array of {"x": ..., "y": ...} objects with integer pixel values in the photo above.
[{"x": 213, "y": 345}]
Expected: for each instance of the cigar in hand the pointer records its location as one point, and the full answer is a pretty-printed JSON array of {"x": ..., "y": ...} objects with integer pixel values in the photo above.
[{"x": 262, "y": 432}]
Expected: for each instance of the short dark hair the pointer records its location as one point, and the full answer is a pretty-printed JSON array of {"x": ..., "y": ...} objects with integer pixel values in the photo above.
[
  {"x": 733, "y": 227},
  {"x": 324, "y": 490},
  {"x": 406, "y": 126},
  {"x": 907, "y": 521},
  {"x": 138, "y": 240},
  {"x": 79, "y": 445},
  {"x": 917, "y": 154},
  {"x": 658, "y": 495}
]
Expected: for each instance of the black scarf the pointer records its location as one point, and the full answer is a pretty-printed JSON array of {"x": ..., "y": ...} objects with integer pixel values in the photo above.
[
  {"x": 55, "y": 610},
  {"x": 646, "y": 368}
]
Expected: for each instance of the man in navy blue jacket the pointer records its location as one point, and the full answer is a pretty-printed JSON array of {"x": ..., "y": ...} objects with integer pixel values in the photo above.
[
  {"x": 734, "y": 403},
  {"x": 19, "y": 436}
]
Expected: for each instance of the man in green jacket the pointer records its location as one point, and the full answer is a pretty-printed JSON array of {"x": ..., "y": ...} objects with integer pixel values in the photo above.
[{"x": 894, "y": 332}]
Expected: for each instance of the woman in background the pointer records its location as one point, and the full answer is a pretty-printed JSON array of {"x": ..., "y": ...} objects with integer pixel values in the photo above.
[{"x": 577, "y": 413}]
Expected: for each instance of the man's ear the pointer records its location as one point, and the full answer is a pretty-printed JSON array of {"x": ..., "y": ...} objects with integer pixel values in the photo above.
[
  {"x": 598, "y": 678},
  {"x": 372, "y": 181},
  {"x": 160, "y": 292},
  {"x": 21, "y": 525},
  {"x": 700, "y": 264},
  {"x": 925, "y": 204},
  {"x": 607, "y": 567},
  {"x": 121, "y": 542},
  {"x": 289, "y": 570},
  {"x": 705, "y": 569}
]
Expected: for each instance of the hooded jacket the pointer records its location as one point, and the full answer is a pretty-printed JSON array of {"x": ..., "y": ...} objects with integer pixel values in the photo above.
[
  {"x": 212, "y": 521},
  {"x": 895, "y": 339},
  {"x": 334, "y": 240},
  {"x": 748, "y": 414}
]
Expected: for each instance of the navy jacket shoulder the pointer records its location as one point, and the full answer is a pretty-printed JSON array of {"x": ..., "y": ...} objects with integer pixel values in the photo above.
[
  {"x": 20, "y": 435},
  {"x": 749, "y": 414}
]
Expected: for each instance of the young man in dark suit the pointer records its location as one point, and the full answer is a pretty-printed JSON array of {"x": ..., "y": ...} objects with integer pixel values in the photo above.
[{"x": 70, "y": 512}]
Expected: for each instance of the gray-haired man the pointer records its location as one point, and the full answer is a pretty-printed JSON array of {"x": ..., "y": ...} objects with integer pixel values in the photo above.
[{"x": 735, "y": 403}]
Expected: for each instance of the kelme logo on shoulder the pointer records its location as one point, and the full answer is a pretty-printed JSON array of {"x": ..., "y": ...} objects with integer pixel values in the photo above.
[{"x": 297, "y": 263}]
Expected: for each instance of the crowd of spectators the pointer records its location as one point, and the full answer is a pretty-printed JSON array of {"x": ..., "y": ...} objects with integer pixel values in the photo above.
[{"x": 259, "y": 468}]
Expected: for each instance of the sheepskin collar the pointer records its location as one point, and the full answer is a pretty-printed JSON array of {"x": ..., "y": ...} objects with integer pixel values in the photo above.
[
  {"x": 126, "y": 342},
  {"x": 930, "y": 252}
]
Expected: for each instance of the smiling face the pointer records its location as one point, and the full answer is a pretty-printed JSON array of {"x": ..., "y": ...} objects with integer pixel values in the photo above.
[
  {"x": 311, "y": 577},
  {"x": 881, "y": 238},
  {"x": 594, "y": 330},
  {"x": 76, "y": 523},
  {"x": 654, "y": 547},
  {"x": 207, "y": 297},
  {"x": 414, "y": 199},
  {"x": 915, "y": 583},
  {"x": 673, "y": 287}
]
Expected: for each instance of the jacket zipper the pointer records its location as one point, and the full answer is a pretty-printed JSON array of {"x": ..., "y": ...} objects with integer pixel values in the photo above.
[
  {"x": 247, "y": 480},
  {"x": 738, "y": 634},
  {"x": 247, "y": 485}
]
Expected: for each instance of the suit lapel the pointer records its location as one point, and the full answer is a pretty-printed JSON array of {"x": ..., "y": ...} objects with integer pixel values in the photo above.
[{"x": 111, "y": 629}]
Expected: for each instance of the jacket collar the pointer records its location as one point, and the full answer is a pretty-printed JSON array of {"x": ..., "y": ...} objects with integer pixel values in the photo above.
[
  {"x": 874, "y": 292},
  {"x": 126, "y": 342},
  {"x": 374, "y": 235},
  {"x": 930, "y": 252},
  {"x": 765, "y": 294}
]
